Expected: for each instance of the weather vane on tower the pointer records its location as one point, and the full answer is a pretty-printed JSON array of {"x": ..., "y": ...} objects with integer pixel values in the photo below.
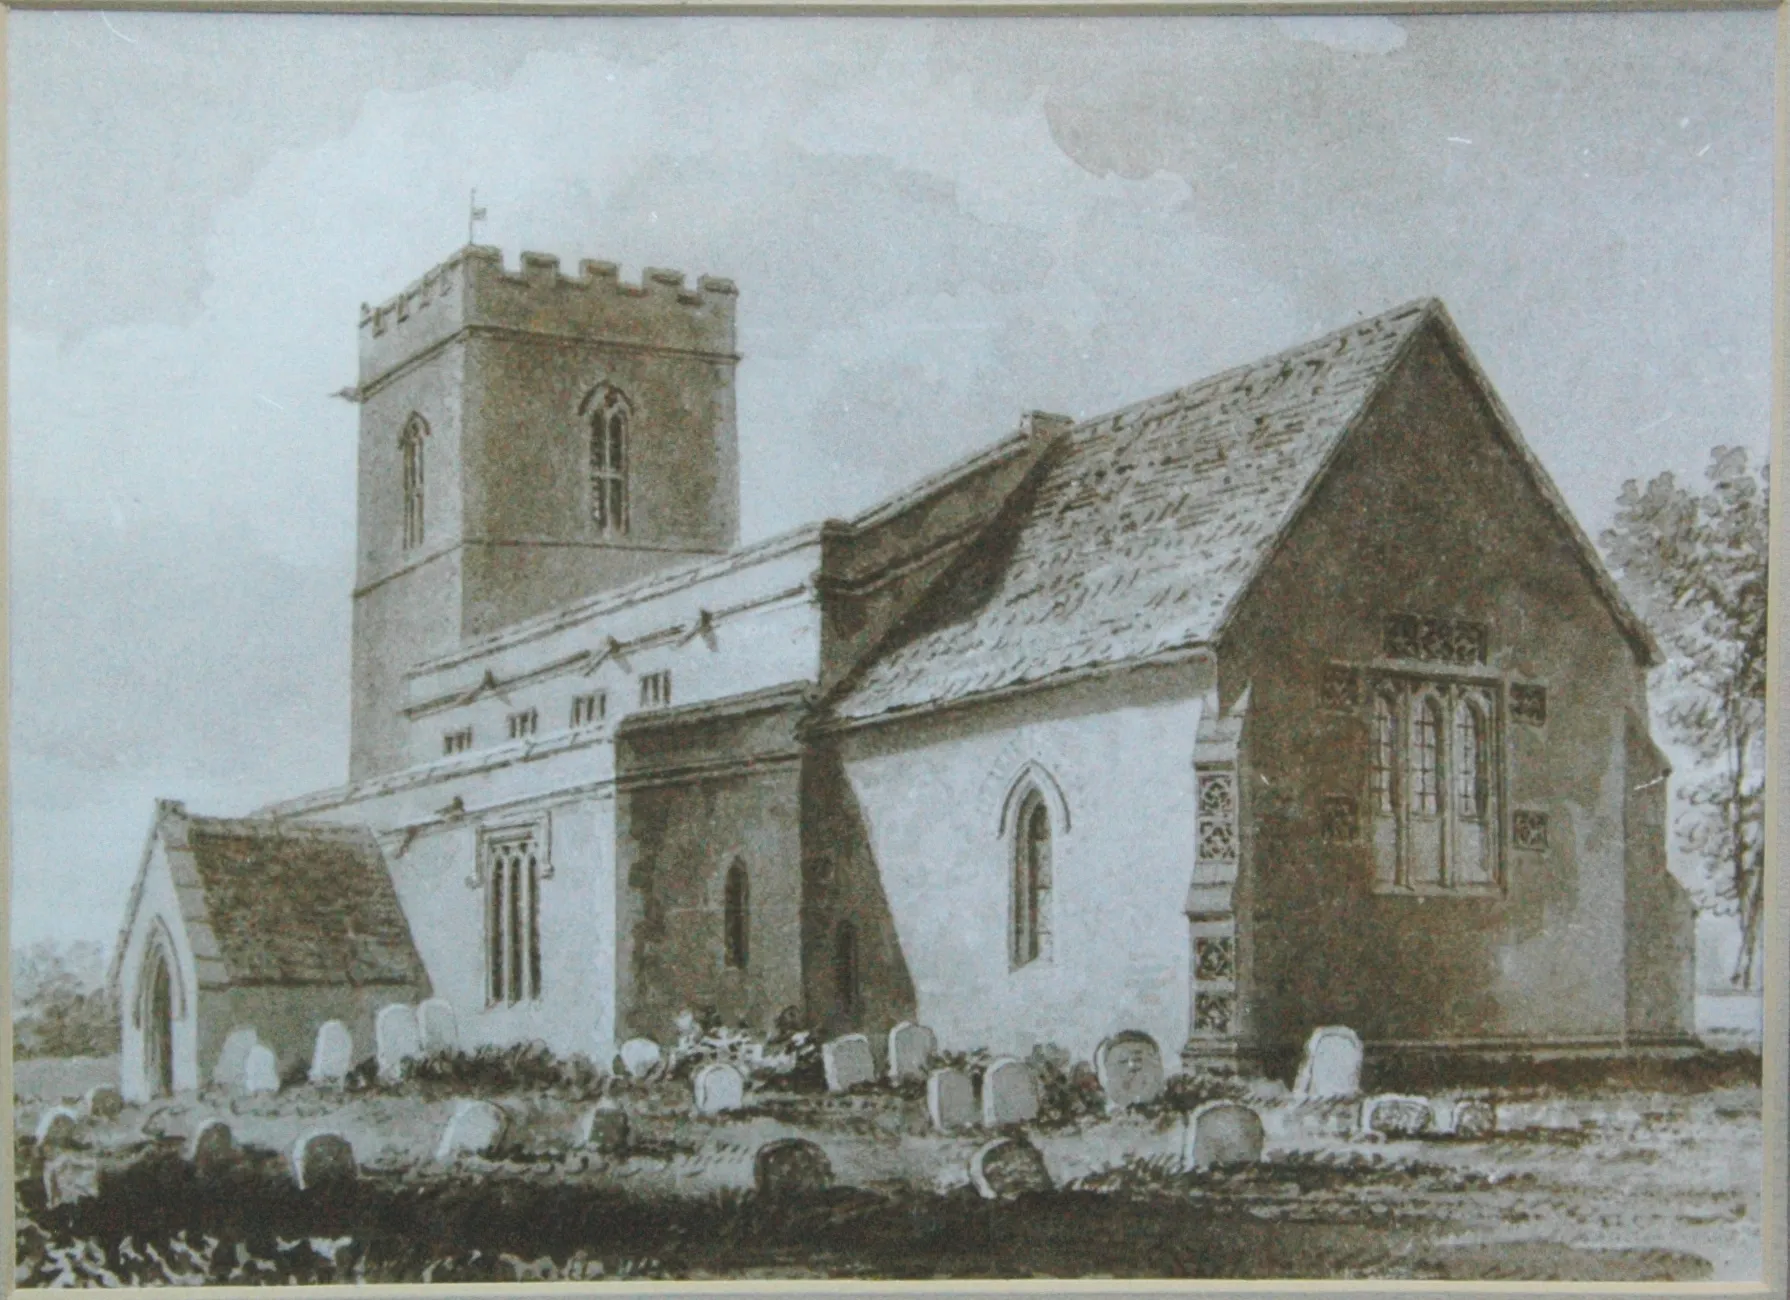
[{"x": 474, "y": 215}]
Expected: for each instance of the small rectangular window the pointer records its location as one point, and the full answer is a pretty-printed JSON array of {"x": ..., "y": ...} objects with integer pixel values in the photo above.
[
  {"x": 590, "y": 708},
  {"x": 523, "y": 724},
  {"x": 457, "y": 742},
  {"x": 1529, "y": 704},
  {"x": 655, "y": 690}
]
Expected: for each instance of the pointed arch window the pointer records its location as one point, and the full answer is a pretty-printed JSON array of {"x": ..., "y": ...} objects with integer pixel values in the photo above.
[
  {"x": 1470, "y": 760},
  {"x": 410, "y": 447},
  {"x": 1426, "y": 756},
  {"x": 1030, "y": 928},
  {"x": 608, "y": 417},
  {"x": 1385, "y": 753},
  {"x": 736, "y": 916}
]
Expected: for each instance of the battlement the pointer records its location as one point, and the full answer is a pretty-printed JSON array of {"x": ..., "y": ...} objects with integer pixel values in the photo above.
[{"x": 473, "y": 289}]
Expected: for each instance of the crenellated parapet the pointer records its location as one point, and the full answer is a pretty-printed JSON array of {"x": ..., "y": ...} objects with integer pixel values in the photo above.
[{"x": 474, "y": 290}]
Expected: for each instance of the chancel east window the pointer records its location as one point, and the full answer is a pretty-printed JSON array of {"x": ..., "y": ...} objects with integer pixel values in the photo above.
[
  {"x": 607, "y": 414},
  {"x": 512, "y": 917},
  {"x": 1030, "y": 927},
  {"x": 1432, "y": 779}
]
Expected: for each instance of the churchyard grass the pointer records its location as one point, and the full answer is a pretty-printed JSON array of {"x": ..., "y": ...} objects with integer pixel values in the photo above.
[{"x": 1647, "y": 1173}]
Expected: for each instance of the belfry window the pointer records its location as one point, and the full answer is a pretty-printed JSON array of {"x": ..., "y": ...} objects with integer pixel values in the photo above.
[
  {"x": 607, "y": 414},
  {"x": 410, "y": 447}
]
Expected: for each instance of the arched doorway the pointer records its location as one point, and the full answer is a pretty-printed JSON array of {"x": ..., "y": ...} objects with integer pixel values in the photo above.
[{"x": 157, "y": 1016}]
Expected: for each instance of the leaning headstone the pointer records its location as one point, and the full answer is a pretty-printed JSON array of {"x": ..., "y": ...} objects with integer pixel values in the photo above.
[
  {"x": 910, "y": 1047},
  {"x": 477, "y": 1128},
  {"x": 437, "y": 1029},
  {"x": 719, "y": 1087},
  {"x": 323, "y": 1160},
  {"x": 395, "y": 1039},
  {"x": 1129, "y": 1067},
  {"x": 333, "y": 1056},
  {"x": 233, "y": 1055},
  {"x": 791, "y": 1167},
  {"x": 1222, "y": 1133},
  {"x": 1008, "y": 1167},
  {"x": 1396, "y": 1117},
  {"x": 847, "y": 1062},
  {"x": 640, "y": 1057},
  {"x": 950, "y": 1100},
  {"x": 58, "y": 1127},
  {"x": 70, "y": 1177},
  {"x": 604, "y": 1128},
  {"x": 1474, "y": 1119},
  {"x": 261, "y": 1070},
  {"x": 1009, "y": 1094},
  {"x": 212, "y": 1149},
  {"x": 1331, "y": 1066},
  {"x": 103, "y": 1101}
]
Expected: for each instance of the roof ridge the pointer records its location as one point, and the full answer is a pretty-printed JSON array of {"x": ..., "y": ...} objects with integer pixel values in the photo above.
[{"x": 1418, "y": 308}]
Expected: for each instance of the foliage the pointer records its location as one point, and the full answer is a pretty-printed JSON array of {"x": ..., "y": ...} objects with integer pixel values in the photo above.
[
  {"x": 1068, "y": 1090},
  {"x": 60, "y": 1003},
  {"x": 789, "y": 1058},
  {"x": 506, "y": 1069},
  {"x": 1695, "y": 567}
]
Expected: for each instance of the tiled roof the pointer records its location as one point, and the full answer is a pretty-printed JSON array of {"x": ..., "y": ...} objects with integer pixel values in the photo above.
[
  {"x": 297, "y": 903},
  {"x": 1137, "y": 535}
]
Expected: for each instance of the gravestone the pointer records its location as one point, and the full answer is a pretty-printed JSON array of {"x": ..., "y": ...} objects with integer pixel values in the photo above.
[
  {"x": 58, "y": 1127},
  {"x": 70, "y": 1177},
  {"x": 261, "y": 1070},
  {"x": 103, "y": 1101},
  {"x": 437, "y": 1029},
  {"x": 1222, "y": 1133},
  {"x": 1475, "y": 1119},
  {"x": 847, "y": 1062},
  {"x": 477, "y": 1128},
  {"x": 1009, "y": 1094},
  {"x": 791, "y": 1167},
  {"x": 212, "y": 1149},
  {"x": 233, "y": 1055},
  {"x": 719, "y": 1087},
  {"x": 950, "y": 1100},
  {"x": 322, "y": 1160},
  {"x": 1129, "y": 1067},
  {"x": 1331, "y": 1066},
  {"x": 910, "y": 1047},
  {"x": 640, "y": 1057},
  {"x": 1008, "y": 1167},
  {"x": 395, "y": 1039},
  {"x": 604, "y": 1128},
  {"x": 333, "y": 1056},
  {"x": 1397, "y": 1117}
]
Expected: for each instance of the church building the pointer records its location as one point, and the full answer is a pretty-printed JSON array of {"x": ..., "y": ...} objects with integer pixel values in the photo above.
[{"x": 1289, "y": 698}]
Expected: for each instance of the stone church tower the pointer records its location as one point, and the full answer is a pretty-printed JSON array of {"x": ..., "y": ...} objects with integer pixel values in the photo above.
[{"x": 527, "y": 439}]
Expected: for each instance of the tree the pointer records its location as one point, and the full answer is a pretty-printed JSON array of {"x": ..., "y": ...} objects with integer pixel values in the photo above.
[
  {"x": 1695, "y": 568},
  {"x": 61, "y": 1006}
]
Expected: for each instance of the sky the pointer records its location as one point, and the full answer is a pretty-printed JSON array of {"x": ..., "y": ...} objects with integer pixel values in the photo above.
[{"x": 935, "y": 225}]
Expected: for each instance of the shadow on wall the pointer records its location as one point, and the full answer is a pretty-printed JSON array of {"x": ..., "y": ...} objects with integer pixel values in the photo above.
[{"x": 857, "y": 976}]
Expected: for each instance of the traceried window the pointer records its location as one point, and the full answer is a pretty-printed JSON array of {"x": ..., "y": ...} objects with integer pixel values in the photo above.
[
  {"x": 1426, "y": 756},
  {"x": 1470, "y": 761},
  {"x": 608, "y": 416},
  {"x": 735, "y": 917},
  {"x": 512, "y": 917},
  {"x": 1385, "y": 752},
  {"x": 410, "y": 447},
  {"x": 1031, "y": 882},
  {"x": 1432, "y": 778}
]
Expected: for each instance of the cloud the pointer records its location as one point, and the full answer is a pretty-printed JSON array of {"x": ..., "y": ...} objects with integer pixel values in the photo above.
[{"x": 1350, "y": 35}]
